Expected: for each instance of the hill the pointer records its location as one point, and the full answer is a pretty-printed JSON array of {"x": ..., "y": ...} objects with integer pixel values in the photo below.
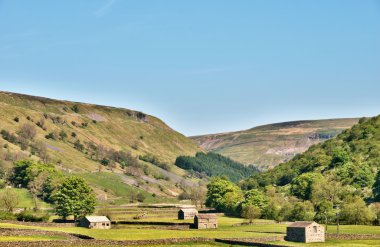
[
  {"x": 269, "y": 145},
  {"x": 352, "y": 159},
  {"x": 132, "y": 148}
]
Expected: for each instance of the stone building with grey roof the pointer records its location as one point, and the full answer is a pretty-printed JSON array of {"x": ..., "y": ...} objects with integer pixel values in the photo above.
[
  {"x": 205, "y": 221},
  {"x": 187, "y": 213},
  {"x": 305, "y": 232},
  {"x": 95, "y": 222}
]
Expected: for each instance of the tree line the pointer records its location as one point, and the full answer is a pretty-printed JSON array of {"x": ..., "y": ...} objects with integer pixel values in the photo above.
[{"x": 213, "y": 164}]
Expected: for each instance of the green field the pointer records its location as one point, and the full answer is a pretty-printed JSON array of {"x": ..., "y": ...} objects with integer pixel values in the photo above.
[
  {"x": 261, "y": 228},
  {"x": 26, "y": 199}
]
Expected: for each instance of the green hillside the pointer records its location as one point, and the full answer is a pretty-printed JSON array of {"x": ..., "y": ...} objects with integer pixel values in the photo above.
[
  {"x": 269, "y": 145},
  {"x": 352, "y": 159},
  {"x": 87, "y": 139},
  {"x": 337, "y": 180}
]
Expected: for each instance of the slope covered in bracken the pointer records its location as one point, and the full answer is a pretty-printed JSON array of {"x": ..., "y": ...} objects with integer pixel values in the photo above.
[{"x": 128, "y": 146}]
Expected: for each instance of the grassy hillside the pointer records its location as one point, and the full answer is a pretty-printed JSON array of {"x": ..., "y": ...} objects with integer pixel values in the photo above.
[
  {"x": 86, "y": 139},
  {"x": 352, "y": 159},
  {"x": 269, "y": 145}
]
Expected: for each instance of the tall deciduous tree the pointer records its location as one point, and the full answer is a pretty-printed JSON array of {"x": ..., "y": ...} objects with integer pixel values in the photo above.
[{"x": 75, "y": 198}]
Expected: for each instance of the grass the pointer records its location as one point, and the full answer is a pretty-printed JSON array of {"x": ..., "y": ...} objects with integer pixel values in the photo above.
[
  {"x": 30, "y": 238},
  {"x": 26, "y": 199},
  {"x": 263, "y": 228},
  {"x": 335, "y": 243},
  {"x": 118, "y": 129},
  {"x": 198, "y": 244}
]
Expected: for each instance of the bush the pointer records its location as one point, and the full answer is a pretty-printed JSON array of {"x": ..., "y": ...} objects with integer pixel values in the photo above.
[
  {"x": 16, "y": 119},
  {"x": 50, "y": 136},
  {"x": 30, "y": 217},
  {"x": 140, "y": 197},
  {"x": 7, "y": 216},
  {"x": 75, "y": 108}
]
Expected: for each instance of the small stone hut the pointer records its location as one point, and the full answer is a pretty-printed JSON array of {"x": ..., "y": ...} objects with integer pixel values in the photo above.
[
  {"x": 205, "y": 221},
  {"x": 305, "y": 232},
  {"x": 187, "y": 213},
  {"x": 95, "y": 222}
]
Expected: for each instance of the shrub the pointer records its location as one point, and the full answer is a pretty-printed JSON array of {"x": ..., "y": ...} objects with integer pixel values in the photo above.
[
  {"x": 62, "y": 135},
  {"x": 7, "y": 216},
  {"x": 16, "y": 119},
  {"x": 73, "y": 134},
  {"x": 75, "y": 108},
  {"x": 78, "y": 145},
  {"x": 50, "y": 136},
  {"x": 140, "y": 197},
  {"x": 30, "y": 217}
]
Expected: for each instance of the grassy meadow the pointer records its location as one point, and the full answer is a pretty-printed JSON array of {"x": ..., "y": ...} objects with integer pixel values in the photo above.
[{"x": 228, "y": 228}]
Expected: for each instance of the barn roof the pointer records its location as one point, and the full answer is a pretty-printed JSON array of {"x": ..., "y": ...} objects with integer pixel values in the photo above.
[
  {"x": 206, "y": 216},
  {"x": 97, "y": 219},
  {"x": 301, "y": 224},
  {"x": 188, "y": 210}
]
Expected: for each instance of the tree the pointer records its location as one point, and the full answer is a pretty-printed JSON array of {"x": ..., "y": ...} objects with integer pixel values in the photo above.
[
  {"x": 9, "y": 199},
  {"x": 376, "y": 188},
  {"x": 302, "y": 211},
  {"x": 354, "y": 211},
  {"x": 197, "y": 195},
  {"x": 301, "y": 187},
  {"x": 256, "y": 198},
  {"x": 251, "y": 212},
  {"x": 223, "y": 195},
  {"x": 140, "y": 197},
  {"x": 75, "y": 198}
]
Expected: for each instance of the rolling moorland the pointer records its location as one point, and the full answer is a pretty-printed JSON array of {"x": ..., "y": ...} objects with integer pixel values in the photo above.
[
  {"x": 116, "y": 150},
  {"x": 269, "y": 145}
]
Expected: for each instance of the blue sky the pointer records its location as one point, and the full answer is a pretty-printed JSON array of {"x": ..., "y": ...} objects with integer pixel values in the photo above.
[{"x": 203, "y": 66}]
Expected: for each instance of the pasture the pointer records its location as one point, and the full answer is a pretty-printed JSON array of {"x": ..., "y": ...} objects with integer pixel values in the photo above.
[{"x": 229, "y": 228}]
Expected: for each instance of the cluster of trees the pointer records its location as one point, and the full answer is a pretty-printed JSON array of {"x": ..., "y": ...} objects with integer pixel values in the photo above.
[
  {"x": 340, "y": 176},
  {"x": 277, "y": 203},
  {"x": 213, "y": 164},
  {"x": 70, "y": 195}
]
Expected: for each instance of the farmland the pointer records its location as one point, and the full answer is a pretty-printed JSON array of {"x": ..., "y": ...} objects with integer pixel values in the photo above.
[{"x": 229, "y": 228}]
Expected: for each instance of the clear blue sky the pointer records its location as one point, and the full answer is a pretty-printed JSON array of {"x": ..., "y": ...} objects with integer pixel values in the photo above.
[{"x": 203, "y": 66}]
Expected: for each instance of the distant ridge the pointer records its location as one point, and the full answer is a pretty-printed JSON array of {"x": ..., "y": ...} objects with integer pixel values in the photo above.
[{"x": 266, "y": 146}]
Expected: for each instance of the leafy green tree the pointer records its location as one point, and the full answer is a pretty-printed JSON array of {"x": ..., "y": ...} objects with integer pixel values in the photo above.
[
  {"x": 251, "y": 212},
  {"x": 301, "y": 187},
  {"x": 376, "y": 188},
  {"x": 75, "y": 198},
  {"x": 355, "y": 211},
  {"x": 302, "y": 211},
  {"x": 256, "y": 198},
  {"x": 223, "y": 195}
]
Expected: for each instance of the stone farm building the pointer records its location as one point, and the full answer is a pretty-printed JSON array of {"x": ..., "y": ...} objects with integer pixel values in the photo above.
[
  {"x": 187, "y": 213},
  {"x": 205, "y": 221},
  {"x": 95, "y": 222},
  {"x": 305, "y": 231}
]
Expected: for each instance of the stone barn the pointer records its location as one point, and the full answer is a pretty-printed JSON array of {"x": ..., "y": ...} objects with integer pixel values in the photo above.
[
  {"x": 305, "y": 232},
  {"x": 187, "y": 213},
  {"x": 95, "y": 222},
  {"x": 205, "y": 221}
]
